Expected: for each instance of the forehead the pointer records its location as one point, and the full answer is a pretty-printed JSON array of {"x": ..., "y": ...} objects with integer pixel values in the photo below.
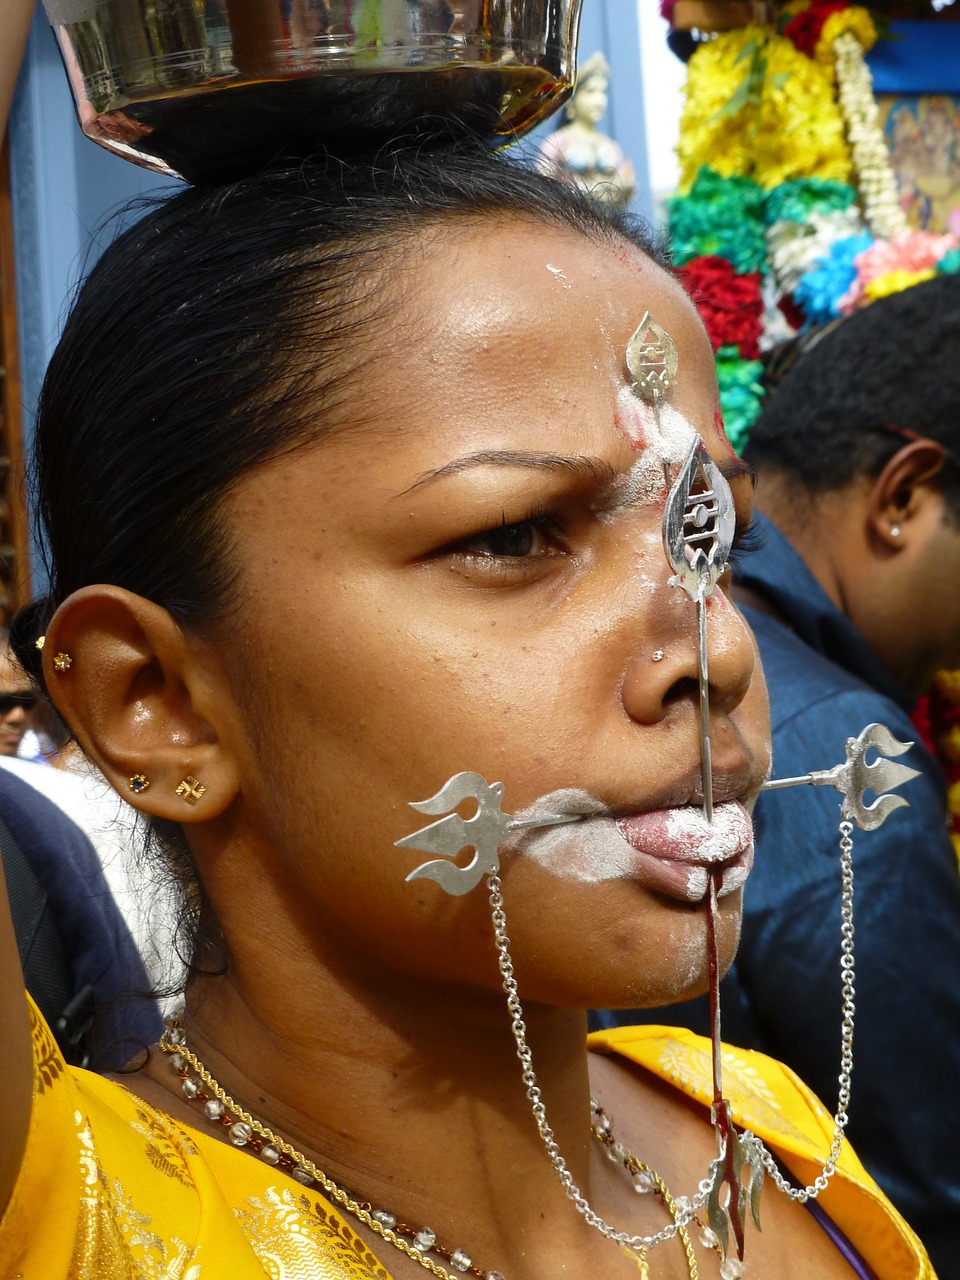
[{"x": 531, "y": 316}]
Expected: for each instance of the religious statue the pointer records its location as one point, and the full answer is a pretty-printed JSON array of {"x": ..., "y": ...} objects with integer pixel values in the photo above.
[{"x": 578, "y": 152}]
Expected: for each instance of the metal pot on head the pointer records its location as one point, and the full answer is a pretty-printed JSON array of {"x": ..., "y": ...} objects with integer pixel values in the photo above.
[{"x": 206, "y": 88}]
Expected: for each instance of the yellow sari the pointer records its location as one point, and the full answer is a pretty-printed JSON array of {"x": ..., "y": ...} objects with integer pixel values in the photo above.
[{"x": 112, "y": 1189}]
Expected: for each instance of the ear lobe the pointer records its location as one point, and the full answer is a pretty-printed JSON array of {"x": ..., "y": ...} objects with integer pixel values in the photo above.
[
  {"x": 139, "y": 698},
  {"x": 902, "y": 492}
]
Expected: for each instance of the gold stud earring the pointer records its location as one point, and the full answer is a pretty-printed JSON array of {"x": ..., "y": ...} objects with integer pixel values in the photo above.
[
  {"x": 63, "y": 662},
  {"x": 139, "y": 783},
  {"x": 39, "y": 642},
  {"x": 190, "y": 789}
]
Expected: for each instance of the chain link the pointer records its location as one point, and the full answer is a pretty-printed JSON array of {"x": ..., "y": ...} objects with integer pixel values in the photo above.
[
  {"x": 848, "y": 991},
  {"x": 684, "y": 1216}
]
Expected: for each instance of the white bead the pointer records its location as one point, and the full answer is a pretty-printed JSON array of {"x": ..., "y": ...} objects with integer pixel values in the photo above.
[
  {"x": 190, "y": 1088},
  {"x": 240, "y": 1133},
  {"x": 299, "y": 1174},
  {"x": 620, "y": 1151},
  {"x": 425, "y": 1239},
  {"x": 384, "y": 1219},
  {"x": 730, "y": 1269},
  {"x": 461, "y": 1260},
  {"x": 682, "y": 1204},
  {"x": 644, "y": 1182},
  {"x": 176, "y": 1061},
  {"x": 269, "y": 1154},
  {"x": 495, "y": 1275},
  {"x": 709, "y": 1238},
  {"x": 213, "y": 1109}
]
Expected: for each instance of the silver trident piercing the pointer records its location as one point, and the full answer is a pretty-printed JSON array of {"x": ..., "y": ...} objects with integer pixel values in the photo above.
[
  {"x": 652, "y": 362},
  {"x": 484, "y": 832},
  {"x": 855, "y": 777},
  {"x": 699, "y": 522}
]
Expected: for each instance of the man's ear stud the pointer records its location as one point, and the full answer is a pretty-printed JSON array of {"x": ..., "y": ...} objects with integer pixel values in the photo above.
[
  {"x": 894, "y": 531},
  {"x": 190, "y": 789},
  {"x": 139, "y": 783},
  {"x": 62, "y": 661}
]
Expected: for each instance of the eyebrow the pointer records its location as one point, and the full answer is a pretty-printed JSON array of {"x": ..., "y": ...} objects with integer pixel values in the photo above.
[{"x": 581, "y": 466}]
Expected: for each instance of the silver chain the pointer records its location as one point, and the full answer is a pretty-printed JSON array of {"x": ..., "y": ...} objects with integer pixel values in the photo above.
[
  {"x": 685, "y": 1214},
  {"x": 811, "y": 1192}
]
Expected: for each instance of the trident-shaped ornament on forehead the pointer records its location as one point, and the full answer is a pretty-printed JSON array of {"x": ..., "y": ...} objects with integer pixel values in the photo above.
[{"x": 652, "y": 362}]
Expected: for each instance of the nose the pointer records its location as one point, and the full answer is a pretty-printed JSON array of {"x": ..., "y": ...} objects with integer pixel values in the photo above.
[
  {"x": 664, "y": 671},
  {"x": 15, "y": 717}
]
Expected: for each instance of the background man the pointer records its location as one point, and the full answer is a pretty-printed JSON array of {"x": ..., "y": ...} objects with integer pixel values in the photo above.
[{"x": 17, "y": 699}]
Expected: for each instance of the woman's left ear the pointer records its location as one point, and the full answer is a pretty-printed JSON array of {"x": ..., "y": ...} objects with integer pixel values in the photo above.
[{"x": 146, "y": 701}]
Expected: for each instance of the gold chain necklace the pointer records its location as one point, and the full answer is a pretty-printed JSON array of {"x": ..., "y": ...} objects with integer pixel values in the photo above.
[{"x": 245, "y": 1131}]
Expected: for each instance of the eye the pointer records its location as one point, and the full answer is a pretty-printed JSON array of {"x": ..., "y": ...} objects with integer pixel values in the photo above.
[
  {"x": 535, "y": 536},
  {"x": 514, "y": 551}
]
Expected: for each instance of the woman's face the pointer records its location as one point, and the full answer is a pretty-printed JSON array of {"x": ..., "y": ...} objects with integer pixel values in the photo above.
[{"x": 474, "y": 579}]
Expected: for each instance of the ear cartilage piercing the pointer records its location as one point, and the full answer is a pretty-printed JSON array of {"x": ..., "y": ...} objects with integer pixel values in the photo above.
[
  {"x": 63, "y": 661},
  {"x": 191, "y": 789},
  {"x": 139, "y": 783}
]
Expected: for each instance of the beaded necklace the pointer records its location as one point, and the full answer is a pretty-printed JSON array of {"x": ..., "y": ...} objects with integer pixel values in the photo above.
[{"x": 245, "y": 1131}]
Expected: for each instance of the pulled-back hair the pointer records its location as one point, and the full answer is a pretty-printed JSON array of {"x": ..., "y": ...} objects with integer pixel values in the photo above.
[
  {"x": 886, "y": 374},
  {"x": 225, "y": 328}
]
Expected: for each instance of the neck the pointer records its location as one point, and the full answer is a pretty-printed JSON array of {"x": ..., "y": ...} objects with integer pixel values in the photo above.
[{"x": 411, "y": 1100}]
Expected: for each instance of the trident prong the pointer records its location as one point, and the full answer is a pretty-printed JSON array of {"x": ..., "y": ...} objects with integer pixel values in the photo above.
[
  {"x": 484, "y": 832},
  {"x": 854, "y": 777}
]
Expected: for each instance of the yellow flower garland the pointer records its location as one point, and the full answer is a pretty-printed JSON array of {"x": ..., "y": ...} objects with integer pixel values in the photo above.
[{"x": 787, "y": 125}]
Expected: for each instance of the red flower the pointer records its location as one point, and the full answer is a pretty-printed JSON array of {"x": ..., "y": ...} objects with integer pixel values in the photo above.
[
  {"x": 730, "y": 305},
  {"x": 804, "y": 30}
]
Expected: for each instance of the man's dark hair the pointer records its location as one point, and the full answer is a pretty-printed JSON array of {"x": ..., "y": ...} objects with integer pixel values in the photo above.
[{"x": 864, "y": 388}]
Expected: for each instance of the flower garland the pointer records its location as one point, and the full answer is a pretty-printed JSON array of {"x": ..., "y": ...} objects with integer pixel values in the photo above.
[{"x": 788, "y": 215}]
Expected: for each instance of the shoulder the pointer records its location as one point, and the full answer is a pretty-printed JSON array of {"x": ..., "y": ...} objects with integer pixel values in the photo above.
[
  {"x": 773, "y": 1102},
  {"x": 139, "y": 1194}
]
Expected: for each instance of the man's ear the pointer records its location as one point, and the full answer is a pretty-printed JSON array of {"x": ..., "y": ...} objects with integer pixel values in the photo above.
[
  {"x": 902, "y": 498},
  {"x": 143, "y": 703}
]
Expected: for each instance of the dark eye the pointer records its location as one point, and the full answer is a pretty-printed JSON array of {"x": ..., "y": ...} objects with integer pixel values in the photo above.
[
  {"x": 510, "y": 540},
  {"x": 531, "y": 538}
]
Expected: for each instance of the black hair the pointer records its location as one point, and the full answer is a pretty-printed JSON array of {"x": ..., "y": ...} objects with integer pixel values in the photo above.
[
  {"x": 864, "y": 387},
  {"x": 226, "y": 327}
]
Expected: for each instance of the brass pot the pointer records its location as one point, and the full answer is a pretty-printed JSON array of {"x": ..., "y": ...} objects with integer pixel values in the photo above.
[{"x": 205, "y": 88}]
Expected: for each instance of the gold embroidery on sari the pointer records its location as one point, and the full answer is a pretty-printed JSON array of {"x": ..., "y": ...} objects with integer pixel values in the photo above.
[
  {"x": 114, "y": 1238},
  {"x": 296, "y": 1237},
  {"x": 47, "y": 1060}
]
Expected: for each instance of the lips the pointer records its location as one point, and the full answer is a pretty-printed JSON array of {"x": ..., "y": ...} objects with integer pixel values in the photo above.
[
  {"x": 677, "y": 848},
  {"x": 670, "y": 850}
]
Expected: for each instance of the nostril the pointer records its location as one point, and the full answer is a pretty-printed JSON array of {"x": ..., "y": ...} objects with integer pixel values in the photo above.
[{"x": 682, "y": 690}]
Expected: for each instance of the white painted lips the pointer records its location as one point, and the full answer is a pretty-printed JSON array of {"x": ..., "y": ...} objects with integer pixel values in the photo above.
[{"x": 669, "y": 851}]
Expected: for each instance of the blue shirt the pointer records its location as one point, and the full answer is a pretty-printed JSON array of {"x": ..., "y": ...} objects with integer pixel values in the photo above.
[{"x": 783, "y": 993}]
